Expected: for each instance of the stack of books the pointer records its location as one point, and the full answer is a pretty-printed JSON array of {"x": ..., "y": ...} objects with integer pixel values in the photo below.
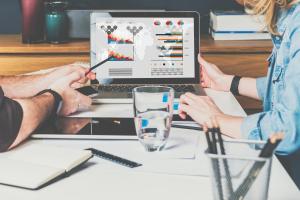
[{"x": 237, "y": 25}]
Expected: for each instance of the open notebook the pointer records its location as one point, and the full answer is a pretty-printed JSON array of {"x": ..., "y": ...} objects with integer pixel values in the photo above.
[{"x": 34, "y": 165}]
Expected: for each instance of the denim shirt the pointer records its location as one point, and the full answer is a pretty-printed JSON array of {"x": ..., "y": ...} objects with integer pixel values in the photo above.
[{"x": 280, "y": 89}]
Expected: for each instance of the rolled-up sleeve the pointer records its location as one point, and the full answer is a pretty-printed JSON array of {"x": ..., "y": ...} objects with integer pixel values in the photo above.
[
  {"x": 261, "y": 87},
  {"x": 285, "y": 113},
  {"x": 11, "y": 115}
]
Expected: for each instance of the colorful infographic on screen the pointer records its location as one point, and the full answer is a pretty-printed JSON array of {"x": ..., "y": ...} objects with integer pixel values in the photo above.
[{"x": 144, "y": 47}]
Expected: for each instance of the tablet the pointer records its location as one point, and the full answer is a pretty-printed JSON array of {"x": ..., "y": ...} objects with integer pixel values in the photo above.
[{"x": 88, "y": 128}]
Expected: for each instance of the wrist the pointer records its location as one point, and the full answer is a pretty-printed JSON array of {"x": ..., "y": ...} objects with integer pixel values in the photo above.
[
  {"x": 43, "y": 82},
  {"x": 57, "y": 99},
  {"x": 227, "y": 82},
  {"x": 234, "y": 87},
  {"x": 230, "y": 125}
]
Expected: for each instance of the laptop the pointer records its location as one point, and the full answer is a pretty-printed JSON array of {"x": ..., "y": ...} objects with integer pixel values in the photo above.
[{"x": 145, "y": 48}]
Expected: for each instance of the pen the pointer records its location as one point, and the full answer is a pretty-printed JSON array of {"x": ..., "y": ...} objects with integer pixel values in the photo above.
[
  {"x": 225, "y": 163},
  {"x": 99, "y": 64},
  {"x": 266, "y": 152},
  {"x": 216, "y": 164},
  {"x": 271, "y": 145}
]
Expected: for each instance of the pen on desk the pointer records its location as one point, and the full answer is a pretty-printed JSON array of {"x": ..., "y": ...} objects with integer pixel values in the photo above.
[{"x": 98, "y": 65}]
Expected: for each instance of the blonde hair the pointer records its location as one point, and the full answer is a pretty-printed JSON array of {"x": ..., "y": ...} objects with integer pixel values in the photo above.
[{"x": 268, "y": 8}]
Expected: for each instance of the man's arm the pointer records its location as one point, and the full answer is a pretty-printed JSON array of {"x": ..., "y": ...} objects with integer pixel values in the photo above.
[
  {"x": 26, "y": 86},
  {"x": 35, "y": 111},
  {"x": 19, "y": 118},
  {"x": 23, "y": 86}
]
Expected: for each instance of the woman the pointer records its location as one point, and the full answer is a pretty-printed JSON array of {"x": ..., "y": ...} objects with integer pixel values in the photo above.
[{"x": 279, "y": 90}]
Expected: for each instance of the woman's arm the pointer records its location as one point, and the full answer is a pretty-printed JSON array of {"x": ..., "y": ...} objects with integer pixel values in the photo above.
[
  {"x": 213, "y": 77},
  {"x": 248, "y": 88}
]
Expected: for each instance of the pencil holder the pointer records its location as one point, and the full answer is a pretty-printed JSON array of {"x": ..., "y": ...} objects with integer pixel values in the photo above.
[{"x": 240, "y": 175}]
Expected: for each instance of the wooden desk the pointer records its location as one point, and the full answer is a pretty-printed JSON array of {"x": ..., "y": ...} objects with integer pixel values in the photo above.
[
  {"x": 104, "y": 180},
  {"x": 245, "y": 58}
]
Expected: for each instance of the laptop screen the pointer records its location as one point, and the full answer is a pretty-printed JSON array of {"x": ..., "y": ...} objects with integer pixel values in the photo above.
[{"x": 143, "y": 47}]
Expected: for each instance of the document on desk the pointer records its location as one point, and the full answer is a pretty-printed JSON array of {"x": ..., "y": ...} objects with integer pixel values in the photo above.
[{"x": 178, "y": 158}]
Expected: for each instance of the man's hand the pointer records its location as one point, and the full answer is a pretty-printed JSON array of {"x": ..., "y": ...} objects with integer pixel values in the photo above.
[
  {"x": 27, "y": 86},
  {"x": 63, "y": 71},
  {"x": 73, "y": 101}
]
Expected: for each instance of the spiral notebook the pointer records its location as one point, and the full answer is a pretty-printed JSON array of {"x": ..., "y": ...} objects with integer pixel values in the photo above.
[{"x": 34, "y": 165}]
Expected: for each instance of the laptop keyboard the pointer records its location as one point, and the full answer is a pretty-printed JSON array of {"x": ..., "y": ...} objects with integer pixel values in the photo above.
[{"x": 129, "y": 88}]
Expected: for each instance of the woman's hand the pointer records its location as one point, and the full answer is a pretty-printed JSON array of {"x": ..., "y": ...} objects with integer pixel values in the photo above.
[
  {"x": 199, "y": 108},
  {"x": 212, "y": 77}
]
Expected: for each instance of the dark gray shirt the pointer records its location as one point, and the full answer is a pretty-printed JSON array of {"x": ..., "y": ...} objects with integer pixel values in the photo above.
[{"x": 11, "y": 115}]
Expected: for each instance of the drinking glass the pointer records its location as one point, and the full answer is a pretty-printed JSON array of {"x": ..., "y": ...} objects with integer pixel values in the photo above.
[{"x": 153, "y": 112}]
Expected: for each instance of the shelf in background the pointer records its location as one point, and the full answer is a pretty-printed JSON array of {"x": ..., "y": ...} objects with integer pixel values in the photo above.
[{"x": 244, "y": 58}]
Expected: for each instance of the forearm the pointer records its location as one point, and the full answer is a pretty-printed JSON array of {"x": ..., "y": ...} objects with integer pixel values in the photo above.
[
  {"x": 24, "y": 86},
  {"x": 35, "y": 111},
  {"x": 247, "y": 87},
  {"x": 230, "y": 125}
]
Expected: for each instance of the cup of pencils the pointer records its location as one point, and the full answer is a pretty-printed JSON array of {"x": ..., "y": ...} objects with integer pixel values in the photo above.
[{"x": 240, "y": 175}]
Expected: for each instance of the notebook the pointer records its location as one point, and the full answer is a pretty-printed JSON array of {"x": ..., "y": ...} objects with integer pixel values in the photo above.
[{"x": 33, "y": 165}]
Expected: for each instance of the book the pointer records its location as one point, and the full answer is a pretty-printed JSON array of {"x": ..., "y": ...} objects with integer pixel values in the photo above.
[
  {"x": 236, "y": 21},
  {"x": 227, "y": 35},
  {"x": 34, "y": 165}
]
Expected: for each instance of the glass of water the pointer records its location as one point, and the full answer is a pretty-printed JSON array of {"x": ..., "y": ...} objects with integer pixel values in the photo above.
[{"x": 153, "y": 112}]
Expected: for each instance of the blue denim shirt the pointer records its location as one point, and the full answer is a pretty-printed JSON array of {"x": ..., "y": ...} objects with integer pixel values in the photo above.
[{"x": 280, "y": 89}]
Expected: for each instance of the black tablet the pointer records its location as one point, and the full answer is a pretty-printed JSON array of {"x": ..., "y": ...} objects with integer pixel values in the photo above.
[{"x": 87, "y": 128}]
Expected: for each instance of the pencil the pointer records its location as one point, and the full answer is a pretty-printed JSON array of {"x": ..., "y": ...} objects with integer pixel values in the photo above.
[
  {"x": 225, "y": 163},
  {"x": 271, "y": 145},
  {"x": 266, "y": 152},
  {"x": 216, "y": 164},
  {"x": 99, "y": 64},
  {"x": 207, "y": 135}
]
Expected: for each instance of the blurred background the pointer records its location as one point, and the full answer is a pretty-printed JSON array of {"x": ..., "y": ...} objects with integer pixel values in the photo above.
[{"x": 10, "y": 14}]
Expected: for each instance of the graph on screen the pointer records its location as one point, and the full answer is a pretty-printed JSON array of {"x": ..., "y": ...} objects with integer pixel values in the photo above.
[
  {"x": 115, "y": 56},
  {"x": 170, "y": 45},
  {"x": 112, "y": 39},
  {"x": 145, "y": 47},
  {"x": 120, "y": 40}
]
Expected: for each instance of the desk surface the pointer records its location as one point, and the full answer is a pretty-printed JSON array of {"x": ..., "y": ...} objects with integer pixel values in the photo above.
[{"x": 102, "y": 180}]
